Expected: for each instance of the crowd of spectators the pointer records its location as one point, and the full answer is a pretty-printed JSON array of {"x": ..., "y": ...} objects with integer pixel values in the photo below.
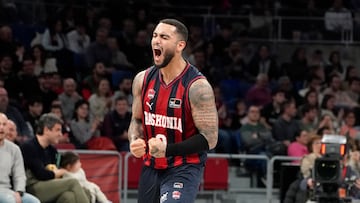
[{"x": 82, "y": 64}]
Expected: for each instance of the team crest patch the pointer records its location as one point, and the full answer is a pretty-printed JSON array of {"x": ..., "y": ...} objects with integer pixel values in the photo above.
[
  {"x": 151, "y": 93},
  {"x": 176, "y": 194},
  {"x": 178, "y": 185},
  {"x": 175, "y": 103}
]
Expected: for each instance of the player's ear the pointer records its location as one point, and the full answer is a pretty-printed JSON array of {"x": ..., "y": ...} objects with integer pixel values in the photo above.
[{"x": 181, "y": 45}]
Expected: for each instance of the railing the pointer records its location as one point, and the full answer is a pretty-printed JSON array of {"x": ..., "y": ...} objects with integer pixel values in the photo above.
[
  {"x": 123, "y": 166},
  {"x": 270, "y": 172}
]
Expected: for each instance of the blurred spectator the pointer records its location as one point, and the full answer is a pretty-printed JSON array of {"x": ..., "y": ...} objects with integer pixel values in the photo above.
[
  {"x": 100, "y": 102},
  {"x": 78, "y": 39},
  {"x": 351, "y": 72},
  {"x": 196, "y": 40},
  {"x": 41, "y": 62},
  {"x": 313, "y": 84},
  {"x": 298, "y": 148},
  {"x": 308, "y": 119},
  {"x": 82, "y": 126},
  {"x": 317, "y": 58},
  {"x": 271, "y": 112},
  {"x": 263, "y": 63},
  {"x": 354, "y": 159},
  {"x": 65, "y": 127},
  {"x": 201, "y": 62},
  {"x": 11, "y": 133},
  {"x": 311, "y": 99},
  {"x": 71, "y": 162},
  {"x": 297, "y": 69},
  {"x": 235, "y": 66},
  {"x": 337, "y": 20},
  {"x": 335, "y": 65},
  {"x": 342, "y": 100},
  {"x": 12, "y": 178},
  {"x": 86, "y": 130},
  {"x": 286, "y": 127},
  {"x": 40, "y": 159},
  {"x": 98, "y": 50},
  {"x": 14, "y": 114},
  {"x": 290, "y": 89},
  {"x": 348, "y": 127},
  {"x": 68, "y": 98},
  {"x": 308, "y": 161},
  {"x": 255, "y": 137},
  {"x": 260, "y": 19},
  {"x": 53, "y": 39},
  {"x": 124, "y": 90},
  {"x": 119, "y": 59},
  {"x": 56, "y": 82},
  {"x": 91, "y": 82},
  {"x": 116, "y": 124},
  {"x": 7, "y": 44},
  {"x": 354, "y": 89},
  {"x": 260, "y": 93},
  {"x": 328, "y": 125},
  {"x": 239, "y": 116},
  {"x": 46, "y": 91},
  {"x": 328, "y": 108},
  {"x": 33, "y": 112},
  {"x": 25, "y": 84}
]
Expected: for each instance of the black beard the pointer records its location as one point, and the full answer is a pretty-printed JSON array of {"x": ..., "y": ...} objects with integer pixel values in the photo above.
[{"x": 167, "y": 59}]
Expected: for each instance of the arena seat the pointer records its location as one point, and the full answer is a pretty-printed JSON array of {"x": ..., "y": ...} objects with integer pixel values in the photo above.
[
  {"x": 65, "y": 146},
  {"x": 216, "y": 174}
]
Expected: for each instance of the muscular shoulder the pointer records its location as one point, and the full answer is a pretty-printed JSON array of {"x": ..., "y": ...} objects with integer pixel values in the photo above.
[
  {"x": 138, "y": 81},
  {"x": 200, "y": 90}
]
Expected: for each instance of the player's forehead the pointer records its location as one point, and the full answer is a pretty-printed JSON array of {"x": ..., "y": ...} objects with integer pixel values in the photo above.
[{"x": 163, "y": 28}]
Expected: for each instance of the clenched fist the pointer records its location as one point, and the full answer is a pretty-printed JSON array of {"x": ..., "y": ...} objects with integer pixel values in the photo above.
[
  {"x": 137, "y": 147},
  {"x": 157, "y": 147}
]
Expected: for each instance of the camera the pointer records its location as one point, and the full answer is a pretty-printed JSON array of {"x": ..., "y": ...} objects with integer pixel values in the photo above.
[{"x": 328, "y": 171}]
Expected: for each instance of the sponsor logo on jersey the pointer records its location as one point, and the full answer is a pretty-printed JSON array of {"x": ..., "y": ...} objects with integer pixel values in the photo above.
[
  {"x": 175, "y": 103},
  {"x": 158, "y": 120}
]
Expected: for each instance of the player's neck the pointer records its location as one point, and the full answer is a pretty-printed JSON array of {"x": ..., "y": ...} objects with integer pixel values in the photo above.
[{"x": 173, "y": 69}]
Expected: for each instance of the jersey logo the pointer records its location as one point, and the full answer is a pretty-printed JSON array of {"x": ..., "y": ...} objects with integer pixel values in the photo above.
[
  {"x": 175, "y": 103},
  {"x": 151, "y": 94},
  {"x": 149, "y": 105}
]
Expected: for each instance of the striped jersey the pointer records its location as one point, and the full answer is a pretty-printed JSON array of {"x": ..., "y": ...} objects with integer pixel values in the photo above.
[{"x": 167, "y": 114}]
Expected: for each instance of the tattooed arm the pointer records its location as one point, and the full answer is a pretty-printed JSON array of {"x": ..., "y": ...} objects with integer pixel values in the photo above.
[
  {"x": 204, "y": 111},
  {"x": 135, "y": 132}
]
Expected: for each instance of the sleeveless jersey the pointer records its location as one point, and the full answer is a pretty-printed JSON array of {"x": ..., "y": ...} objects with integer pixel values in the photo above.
[{"x": 167, "y": 114}]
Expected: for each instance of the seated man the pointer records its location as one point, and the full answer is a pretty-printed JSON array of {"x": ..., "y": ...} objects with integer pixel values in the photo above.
[
  {"x": 40, "y": 157},
  {"x": 12, "y": 176}
]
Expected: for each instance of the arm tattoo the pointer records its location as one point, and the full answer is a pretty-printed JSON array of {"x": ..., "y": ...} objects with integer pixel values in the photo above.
[
  {"x": 135, "y": 129},
  {"x": 204, "y": 111}
]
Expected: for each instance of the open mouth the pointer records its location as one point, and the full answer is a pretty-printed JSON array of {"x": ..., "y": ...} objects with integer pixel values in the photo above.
[{"x": 157, "y": 52}]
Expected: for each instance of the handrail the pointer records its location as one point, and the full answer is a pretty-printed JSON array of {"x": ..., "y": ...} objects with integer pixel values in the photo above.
[{"x": 270, "y": 171}]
